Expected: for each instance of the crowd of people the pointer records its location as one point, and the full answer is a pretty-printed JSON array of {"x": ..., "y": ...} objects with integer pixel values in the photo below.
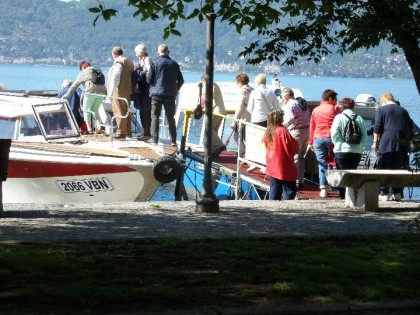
[
  {"x": 291, "y": 130},
  {"x": 149, "y": 84}
]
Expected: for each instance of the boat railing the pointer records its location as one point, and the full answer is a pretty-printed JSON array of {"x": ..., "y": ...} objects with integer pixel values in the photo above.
[
  {"x": 253, "y": 155},
  {"x": 193, "y": 130},
  {"x": 114, "y": 116}
]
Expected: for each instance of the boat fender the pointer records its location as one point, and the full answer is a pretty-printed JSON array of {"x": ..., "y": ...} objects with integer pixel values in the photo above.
[{"x": 166, "y": 169}]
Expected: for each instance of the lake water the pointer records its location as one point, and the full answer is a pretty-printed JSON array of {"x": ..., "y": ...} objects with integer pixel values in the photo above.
[{"x": 35, "y": 77}]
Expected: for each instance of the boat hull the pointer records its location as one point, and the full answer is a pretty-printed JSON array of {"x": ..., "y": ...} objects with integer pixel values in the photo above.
[{"x": 32, "y": 181}]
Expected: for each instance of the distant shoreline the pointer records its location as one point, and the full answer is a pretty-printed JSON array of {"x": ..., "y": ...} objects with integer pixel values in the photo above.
[{"x": 42, "y": 64}]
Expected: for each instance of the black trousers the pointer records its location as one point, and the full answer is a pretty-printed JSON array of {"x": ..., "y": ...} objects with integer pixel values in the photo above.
[
  {"x": 346, "y": 161},
  {"x": 393, "y": 161}
]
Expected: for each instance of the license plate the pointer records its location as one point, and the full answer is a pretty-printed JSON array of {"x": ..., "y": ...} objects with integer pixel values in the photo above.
[{"x": 85, "y": 185}]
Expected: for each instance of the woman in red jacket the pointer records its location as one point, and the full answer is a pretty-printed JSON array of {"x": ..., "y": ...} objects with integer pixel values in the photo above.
[{"x": 281, "y": 148}]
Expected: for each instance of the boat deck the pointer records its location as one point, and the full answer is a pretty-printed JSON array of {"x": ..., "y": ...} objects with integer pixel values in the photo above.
[
  {"x": 226, "y": 163},
  {"x": 121, "y": 148}
]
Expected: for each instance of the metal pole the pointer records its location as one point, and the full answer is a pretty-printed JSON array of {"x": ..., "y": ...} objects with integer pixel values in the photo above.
[{"x": 207, "y": 201}]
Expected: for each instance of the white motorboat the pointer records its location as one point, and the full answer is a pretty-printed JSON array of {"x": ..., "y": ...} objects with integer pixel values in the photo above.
[{"x": 51, "y": 162}]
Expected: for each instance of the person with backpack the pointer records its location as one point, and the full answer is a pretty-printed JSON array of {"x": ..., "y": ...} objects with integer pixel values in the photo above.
[
  {"x": 349, "y": 135},
  {"x": 296, "y": 120},
  {"x": 93, "y": 81}
]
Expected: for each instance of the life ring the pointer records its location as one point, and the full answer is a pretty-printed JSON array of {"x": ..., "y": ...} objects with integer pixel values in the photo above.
[{"x": 166, "y": 169}]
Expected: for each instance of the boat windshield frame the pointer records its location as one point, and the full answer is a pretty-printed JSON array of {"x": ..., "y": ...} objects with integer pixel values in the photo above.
[{"x": 56, "y": 120}]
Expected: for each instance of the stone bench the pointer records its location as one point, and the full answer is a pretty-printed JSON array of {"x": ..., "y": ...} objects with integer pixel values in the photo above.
[{"x": 362, "y": 186}]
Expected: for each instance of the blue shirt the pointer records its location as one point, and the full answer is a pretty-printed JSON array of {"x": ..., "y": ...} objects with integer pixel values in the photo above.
[{"x": 74, "y": 101}]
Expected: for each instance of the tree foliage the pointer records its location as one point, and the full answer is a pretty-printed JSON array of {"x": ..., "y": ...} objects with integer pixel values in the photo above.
[{"x": 290, "y": 30}]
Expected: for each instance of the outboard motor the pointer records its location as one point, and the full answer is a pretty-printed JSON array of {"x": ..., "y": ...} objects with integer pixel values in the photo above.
[
  {"x": 275, "y": 85},
  {"x": 365, "y": 99}
]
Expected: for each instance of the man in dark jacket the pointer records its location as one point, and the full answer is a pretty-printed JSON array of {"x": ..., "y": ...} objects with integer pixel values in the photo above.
[
  {"x": 391, "y": 137},
  {"x": 165, "y": 81}
]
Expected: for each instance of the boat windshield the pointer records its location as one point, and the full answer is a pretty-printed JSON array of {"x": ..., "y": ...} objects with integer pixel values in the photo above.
[
  {"x": 56, "y": 121},
  {"x": 7, "y": 128}
]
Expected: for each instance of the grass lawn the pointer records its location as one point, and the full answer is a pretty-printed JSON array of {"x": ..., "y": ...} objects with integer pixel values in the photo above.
[{"x": 172, "y": 273}]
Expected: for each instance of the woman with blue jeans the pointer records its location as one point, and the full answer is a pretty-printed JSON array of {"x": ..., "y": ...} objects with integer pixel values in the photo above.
[{"x": 320, "y": 134}]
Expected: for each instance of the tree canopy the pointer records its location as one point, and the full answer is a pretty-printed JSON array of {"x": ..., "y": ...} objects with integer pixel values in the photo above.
[{"x": 290, "y": 30}]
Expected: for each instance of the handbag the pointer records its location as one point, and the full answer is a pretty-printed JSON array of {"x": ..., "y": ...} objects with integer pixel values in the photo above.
[
  {"x": 373, "y": 160},
  {"x": 198, "y": 112}
]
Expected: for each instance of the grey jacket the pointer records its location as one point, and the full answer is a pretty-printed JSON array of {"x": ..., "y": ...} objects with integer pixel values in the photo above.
[{"x": 85, "y": 76}]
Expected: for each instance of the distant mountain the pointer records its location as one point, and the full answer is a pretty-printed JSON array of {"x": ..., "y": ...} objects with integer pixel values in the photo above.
[{"x": 60, "y": 32}]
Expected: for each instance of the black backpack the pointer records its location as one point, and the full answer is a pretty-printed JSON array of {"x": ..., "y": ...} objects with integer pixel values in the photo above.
[
  {"x": 302, "y": 103},
  {"x": 98, "y": 77},
  {"x": 351, "y": 132}
]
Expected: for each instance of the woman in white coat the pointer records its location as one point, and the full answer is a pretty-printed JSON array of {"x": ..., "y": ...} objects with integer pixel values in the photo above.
[{"x": 261, "y": 101}]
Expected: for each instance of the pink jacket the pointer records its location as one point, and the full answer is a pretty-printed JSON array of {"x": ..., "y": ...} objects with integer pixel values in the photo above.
[{"x": 321, "y": 120}]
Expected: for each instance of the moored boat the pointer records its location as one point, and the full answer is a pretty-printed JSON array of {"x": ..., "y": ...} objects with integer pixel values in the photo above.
[
  {"x": 233, "y": 176},
  {"x": 51, "y": 162}
]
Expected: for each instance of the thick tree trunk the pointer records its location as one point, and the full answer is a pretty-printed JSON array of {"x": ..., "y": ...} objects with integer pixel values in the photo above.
[
  {"x": 398, "y": 17},
  {"x": 413, "y": 60}
]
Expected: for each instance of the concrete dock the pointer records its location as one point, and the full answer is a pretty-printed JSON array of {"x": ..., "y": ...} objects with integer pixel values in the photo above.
[{"x": 106, "y": 221}]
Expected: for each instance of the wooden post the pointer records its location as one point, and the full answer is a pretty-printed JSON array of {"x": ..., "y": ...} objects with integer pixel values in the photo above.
[{"x": 4, "y": 161}]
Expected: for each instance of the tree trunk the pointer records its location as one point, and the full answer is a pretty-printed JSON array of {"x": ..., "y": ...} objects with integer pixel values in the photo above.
[
  {"x": 413, "y": 60},
  {"x": 405, "y": 35}
]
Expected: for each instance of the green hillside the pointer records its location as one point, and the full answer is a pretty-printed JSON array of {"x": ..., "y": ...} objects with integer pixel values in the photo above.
[{"x": 57, "y": 32}]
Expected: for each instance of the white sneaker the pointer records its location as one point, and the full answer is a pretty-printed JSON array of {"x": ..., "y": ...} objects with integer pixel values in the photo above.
[
  {"x": 384, "y": 197},
  {"x": 395, "y": 197},
  {"x": 323, "y": 193}
]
